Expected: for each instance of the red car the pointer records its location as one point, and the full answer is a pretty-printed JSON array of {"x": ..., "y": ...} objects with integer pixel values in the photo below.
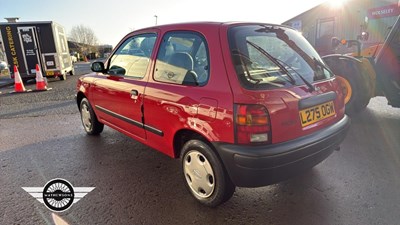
[{"x": 241, "y": 104}]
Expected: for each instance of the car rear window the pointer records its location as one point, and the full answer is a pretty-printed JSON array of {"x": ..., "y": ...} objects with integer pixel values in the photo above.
[
  {"x": 183, "y": 59},
  {"x": 268, "y": 56}
]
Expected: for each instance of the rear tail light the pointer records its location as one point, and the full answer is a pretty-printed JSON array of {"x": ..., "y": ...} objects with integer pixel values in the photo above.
[{"x": 252, "y": 124}]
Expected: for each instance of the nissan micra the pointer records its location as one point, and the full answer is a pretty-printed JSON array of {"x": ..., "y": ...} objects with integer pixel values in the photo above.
[{"x": 241, "y": 104}]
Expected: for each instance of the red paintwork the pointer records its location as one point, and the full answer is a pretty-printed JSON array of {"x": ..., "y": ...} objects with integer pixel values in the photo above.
[{"x": 206, "y": 110}]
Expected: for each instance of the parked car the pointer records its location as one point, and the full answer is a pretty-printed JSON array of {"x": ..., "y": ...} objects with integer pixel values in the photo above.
[
  {"x": 3, "y": 65},
  {"x": 4, "y": 70},
  {"x": 241, "y": 104}
]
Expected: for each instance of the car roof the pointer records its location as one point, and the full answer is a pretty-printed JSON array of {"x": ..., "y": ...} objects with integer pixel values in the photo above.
[{"x": 194, "y": 25}]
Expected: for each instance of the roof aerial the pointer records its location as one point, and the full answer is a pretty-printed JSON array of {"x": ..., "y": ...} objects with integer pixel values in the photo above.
[{"x": 12, "y": 19}]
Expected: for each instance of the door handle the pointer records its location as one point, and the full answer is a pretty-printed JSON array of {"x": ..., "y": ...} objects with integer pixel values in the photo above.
[{"x": 134, "y": 94}]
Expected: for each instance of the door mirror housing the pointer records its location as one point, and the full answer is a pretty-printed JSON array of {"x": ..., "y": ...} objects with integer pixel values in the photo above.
[
  {"x": 97, "y": 67},
  {"x": 363, "y": 36},
  {"x": 335, "y": 42}
]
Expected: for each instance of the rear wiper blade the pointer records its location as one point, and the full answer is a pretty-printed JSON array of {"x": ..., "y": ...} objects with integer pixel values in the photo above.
[
  {"x": 322, "y": 64},
  {"x": 309, "y": 85},
  {"x": 279, "y": 63},
  {"x": 273, "y": 59}
]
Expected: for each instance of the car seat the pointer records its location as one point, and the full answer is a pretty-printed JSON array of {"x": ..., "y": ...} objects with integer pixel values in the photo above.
[{"x": 185, "y": 61}]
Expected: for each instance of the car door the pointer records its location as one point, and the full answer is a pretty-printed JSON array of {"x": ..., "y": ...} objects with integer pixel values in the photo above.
[
  {"x": 178, "y": 95},
  {"x": 387, "y": 65},
  {"x": 119, "y": 93}
]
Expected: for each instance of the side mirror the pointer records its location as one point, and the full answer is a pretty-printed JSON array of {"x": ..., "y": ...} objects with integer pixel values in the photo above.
[
  {"x": 335, "y": 42},
  {"x": 97, "y": 67},
  {"x": 363, "y": 37},
  {"x": 366, "y": 22}
]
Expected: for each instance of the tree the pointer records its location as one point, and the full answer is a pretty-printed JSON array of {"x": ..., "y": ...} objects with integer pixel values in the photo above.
[{"x": 84, "y": 36}]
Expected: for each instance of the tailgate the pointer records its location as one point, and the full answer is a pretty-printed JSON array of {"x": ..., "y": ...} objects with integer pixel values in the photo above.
[{"x": 296, "y": 112}]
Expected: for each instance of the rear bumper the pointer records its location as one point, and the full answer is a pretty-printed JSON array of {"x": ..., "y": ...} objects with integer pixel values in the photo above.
[{"x": 255, "y": 166}]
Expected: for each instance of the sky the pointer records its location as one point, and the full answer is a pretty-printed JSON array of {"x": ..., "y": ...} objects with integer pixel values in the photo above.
[{"x": 113, "y": 19}]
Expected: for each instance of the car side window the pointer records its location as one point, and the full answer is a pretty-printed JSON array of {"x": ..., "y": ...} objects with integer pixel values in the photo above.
[
  {"x": 133, "y": 56},
  {"x": 183, "y": 59}
]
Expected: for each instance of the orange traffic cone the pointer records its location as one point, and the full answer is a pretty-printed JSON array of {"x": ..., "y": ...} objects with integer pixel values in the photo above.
[
  {"x": 40, "y": 82},
  {"x": 18, "y": 84}
]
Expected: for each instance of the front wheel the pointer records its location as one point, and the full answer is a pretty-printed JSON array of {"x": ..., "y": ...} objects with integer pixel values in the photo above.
[
  {"x": 63, "y": 76},
  {"x": 89, "y": 120},
  {"x": 204, "y": 175},
  {"x": 356, "y": 98},
  {"x": 354, "y": 83}
]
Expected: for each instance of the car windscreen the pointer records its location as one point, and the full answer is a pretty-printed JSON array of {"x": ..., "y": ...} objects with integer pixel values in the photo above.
[{"x": 267, "y": 56}]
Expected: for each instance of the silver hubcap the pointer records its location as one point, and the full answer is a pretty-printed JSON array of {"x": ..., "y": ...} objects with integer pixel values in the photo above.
[
  {"x": 199, "y": 174},
  {"x": 86, "y": 120}
]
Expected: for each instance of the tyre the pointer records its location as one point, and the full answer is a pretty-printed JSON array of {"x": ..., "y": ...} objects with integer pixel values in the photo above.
[
  {"x": 63, "y": 77},
  {"x": 204, "y": 175},
  {"x": 356, "y": 98},
  {"x": 89, "y": 120},
  {"x": 72, "y": 72},
  {"x": 354, "y": 85}
]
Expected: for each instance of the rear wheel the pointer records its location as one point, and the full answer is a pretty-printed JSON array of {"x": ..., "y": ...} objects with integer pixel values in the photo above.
[
  {"x": 89, "y": 120},
  {"x": 63, "y": 76},
  {"x": 204, "y": 175}
]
